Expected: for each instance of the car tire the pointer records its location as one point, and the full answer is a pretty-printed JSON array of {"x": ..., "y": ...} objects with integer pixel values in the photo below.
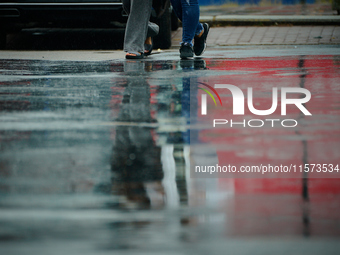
[{"x": 163, "y": 39}]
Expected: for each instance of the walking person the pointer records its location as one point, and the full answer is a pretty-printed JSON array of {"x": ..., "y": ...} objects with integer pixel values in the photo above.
[
  {"x": 139, "y": 30},
  {"x": 188, "y": 12}
]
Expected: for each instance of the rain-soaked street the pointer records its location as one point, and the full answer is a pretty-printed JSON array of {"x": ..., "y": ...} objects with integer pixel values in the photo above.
[{"x": 99, "y": 157}]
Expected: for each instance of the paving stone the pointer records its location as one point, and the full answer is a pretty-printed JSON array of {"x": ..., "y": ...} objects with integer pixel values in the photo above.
[{"x": 268, "y": 35}]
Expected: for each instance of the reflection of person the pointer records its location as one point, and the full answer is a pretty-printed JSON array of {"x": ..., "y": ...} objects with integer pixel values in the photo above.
[
  {"x": 136, "y": 159},
  {"x": 139, "y": 30},
  {"x": 188, "y": 12}
]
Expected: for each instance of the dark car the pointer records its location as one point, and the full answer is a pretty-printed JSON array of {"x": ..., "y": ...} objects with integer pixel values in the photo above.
[{"x": 19, "y": 14}]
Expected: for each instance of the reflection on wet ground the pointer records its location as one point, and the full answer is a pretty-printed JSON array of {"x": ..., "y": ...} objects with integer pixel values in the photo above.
[{"x": 95, "y": 158}]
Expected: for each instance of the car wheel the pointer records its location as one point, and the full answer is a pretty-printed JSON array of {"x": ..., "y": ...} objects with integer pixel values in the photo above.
[{"x": 163, "y": 39}]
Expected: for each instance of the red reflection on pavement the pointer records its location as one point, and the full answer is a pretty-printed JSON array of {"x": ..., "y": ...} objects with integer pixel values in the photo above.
[{"x": 316, "y": 140}]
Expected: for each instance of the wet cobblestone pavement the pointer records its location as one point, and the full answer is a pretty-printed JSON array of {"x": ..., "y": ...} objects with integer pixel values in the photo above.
[{"x": 96, "y": 156}]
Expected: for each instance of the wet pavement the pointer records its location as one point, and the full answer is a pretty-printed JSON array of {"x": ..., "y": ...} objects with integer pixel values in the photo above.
[{"x": 97, "y": 157}]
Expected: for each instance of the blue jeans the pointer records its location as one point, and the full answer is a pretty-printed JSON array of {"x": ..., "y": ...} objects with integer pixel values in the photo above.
[{"x": 188, "y": 11}]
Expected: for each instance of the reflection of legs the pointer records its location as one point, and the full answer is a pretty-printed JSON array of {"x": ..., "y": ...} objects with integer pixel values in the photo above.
[
  {"x": 136, "y": 166},
  {"x": 181, "y": 174},
  {"x": 137, "y": 24}
]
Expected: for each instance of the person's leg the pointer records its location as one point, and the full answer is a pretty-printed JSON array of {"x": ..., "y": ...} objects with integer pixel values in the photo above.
[
  {"x": 177, "y": 7},
  {"x": 153, "y": 29},
  {"x": 188, "y": 12},
  {"x": 137, "y": 24}
]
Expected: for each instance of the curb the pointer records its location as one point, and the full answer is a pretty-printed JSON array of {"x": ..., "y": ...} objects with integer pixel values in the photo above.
[{"x": 256, "y": 20}]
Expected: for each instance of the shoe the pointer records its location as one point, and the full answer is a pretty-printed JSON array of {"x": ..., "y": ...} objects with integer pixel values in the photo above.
[
  {"x": 200, "y": 43},
  {"x": 199, "y": 64},
  {"x": 148, "y": 48},
  {"x": 134, "y": 55},
  {"x": 186, "y": 64},
  {"x": 186, "y": 51}
]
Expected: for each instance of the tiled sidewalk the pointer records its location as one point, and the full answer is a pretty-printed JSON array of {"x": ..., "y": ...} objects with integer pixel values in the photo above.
[
  {"x": 268, "y": 35},
  {"x": 279, "y": 9}
]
